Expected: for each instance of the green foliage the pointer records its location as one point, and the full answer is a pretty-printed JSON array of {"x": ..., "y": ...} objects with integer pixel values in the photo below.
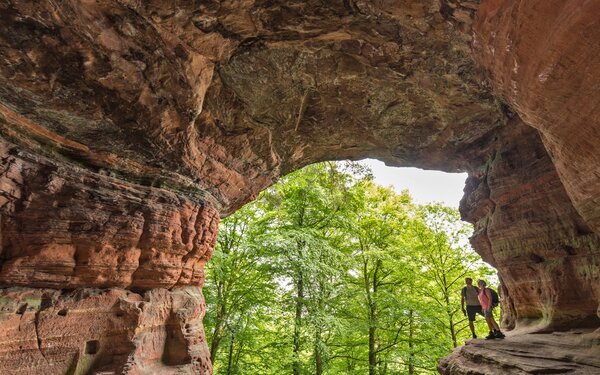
[{"x": 329, "y": 273}]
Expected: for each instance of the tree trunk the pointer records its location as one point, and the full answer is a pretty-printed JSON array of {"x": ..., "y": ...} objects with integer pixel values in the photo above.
[
  {"x": 371, "y": 291},
  {"x": 319, "y": 344},
  {"x": 318, "y": 353},
  {"x": 453, "y": 331},
  {"x": 230, "y": 354},
  {"x": 372, "y": 351},
  {"x": 449, "y": 312},
  {"x": 297, "y": 366},
  {"x": 217, "y": 335},
  {"x": 411, "y": 343},
  {"x": 236, "y": 361}
]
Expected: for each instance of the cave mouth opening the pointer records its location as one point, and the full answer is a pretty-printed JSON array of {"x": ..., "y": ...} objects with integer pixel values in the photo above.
[
  {"x": 329, "y": 262},
  {"x": 425, "y": 186}
]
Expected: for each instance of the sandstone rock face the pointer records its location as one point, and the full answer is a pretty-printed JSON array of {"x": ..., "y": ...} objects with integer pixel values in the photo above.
[
  {"x": 130, "y": 126},
  {"x": 526, "y": 227},
  {"x": 127, "y": 128},
  {"x": 102, "y": 331},
  {"x": 63, "y": 227},
  {"x": 224, "y": 96},
  {"x": 542, "y": 57}
]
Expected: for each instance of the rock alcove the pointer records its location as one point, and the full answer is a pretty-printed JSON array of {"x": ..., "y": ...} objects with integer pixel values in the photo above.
[{"x": 128, "y": 128}]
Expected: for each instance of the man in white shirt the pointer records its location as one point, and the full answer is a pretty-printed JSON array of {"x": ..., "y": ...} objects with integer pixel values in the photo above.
[{"x": 469, "y": 295}]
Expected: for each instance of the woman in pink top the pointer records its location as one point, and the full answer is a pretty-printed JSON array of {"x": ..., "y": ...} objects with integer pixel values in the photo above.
[{"x": 485, "y": 298}]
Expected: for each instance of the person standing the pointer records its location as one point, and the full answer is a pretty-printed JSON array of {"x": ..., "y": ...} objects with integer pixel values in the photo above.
[
  {"x": 485, "y": 298},
  {"x": 470, "y": 296}
]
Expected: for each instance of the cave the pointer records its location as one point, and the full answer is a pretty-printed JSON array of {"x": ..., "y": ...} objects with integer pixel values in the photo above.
[{"x": 129, "y": 128}]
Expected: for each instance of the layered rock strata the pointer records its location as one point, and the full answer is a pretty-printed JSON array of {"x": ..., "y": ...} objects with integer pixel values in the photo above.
[
  {"x": 102, "y": 331},
  {"x": 571, "y": 352},
  {"x": 525, "y": 226},
  {"x": 129, "y": 127},
  {"x": 65, "y": 227},
  {"x": 542, "y": 57}
]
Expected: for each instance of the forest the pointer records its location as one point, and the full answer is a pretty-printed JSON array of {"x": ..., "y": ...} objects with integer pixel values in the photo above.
[{"x": 329, "y": 273}]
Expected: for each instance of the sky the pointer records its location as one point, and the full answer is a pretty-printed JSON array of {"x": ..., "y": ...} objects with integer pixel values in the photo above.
[{"x": 424, "y": 186}]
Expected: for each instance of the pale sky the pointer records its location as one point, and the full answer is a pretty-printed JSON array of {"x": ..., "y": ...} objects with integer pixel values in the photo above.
[{"x": 424, "y": 186}]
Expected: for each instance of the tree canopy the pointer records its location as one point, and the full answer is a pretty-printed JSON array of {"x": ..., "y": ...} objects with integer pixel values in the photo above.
[{"x": 330, "y": 273}]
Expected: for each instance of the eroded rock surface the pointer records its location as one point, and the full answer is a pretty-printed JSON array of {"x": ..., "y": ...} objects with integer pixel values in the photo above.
[
  {"x": 64, "y": 227},
  {"x": 102, "y": 331},
  {"x": 223, "y": 95},
  {"x": 526, "y": 227},
  {"x": 571, "y": 352},
  {"x": 129, "y": 127},
  {"x": 542, "y": 57}
]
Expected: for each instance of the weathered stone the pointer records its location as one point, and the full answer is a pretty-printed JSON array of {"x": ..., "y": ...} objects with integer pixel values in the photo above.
[
  {"x": 525, "y": 226},
  {"x": 110, "y": 331},
  {"x": 220, "y": 95},
  {"x": 128, "y": 127},
  {"x": 542, "y": 57},
  {"x": 65, "y": 227},
  {"x": 572, "y": 352}
]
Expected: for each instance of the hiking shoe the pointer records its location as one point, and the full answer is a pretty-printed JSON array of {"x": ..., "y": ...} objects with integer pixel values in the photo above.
[
  {"x": 491, "y": 336},
  {"x": 499, "y": 335}
]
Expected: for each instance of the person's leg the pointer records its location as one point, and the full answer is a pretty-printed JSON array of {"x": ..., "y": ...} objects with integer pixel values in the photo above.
[
  {"x": 472, "y": 326},
  {"x": 494, "y": 327},
  {"x": 489, "y": 320},
  {"x": 497, "y": 331},
  {"x": 495, "y": 324},
  {"x": 471, "y": 313}
]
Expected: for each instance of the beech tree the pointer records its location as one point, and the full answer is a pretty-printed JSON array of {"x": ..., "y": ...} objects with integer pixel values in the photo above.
[
  {"x": 328, "y": 273},
  {"x": 375, "y": 231},
  {"x": 441, "y": 242},
  {"x": 239, "y": 282},
  {"x": 307, "y": 207}
]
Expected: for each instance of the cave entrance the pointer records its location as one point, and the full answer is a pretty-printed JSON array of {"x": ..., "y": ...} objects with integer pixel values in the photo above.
[{"x": 329, "y": 268}]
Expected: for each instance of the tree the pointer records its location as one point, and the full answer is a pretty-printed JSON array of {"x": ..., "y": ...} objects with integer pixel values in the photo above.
[
  {"x": 308, "y": 207},
  {"x": 446, "y": 259},
  {"x": 328, "y": 273},
  {"x": 239, "y": 280},
  {"x": 374, "y": 234}
]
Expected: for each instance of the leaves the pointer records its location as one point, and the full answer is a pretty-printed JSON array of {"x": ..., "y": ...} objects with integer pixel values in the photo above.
[{"x": 329, "y": 273}]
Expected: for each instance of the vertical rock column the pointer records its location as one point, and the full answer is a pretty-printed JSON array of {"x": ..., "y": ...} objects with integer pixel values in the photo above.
[
  {"x": 99, "y": 274},
  {"x": 525, "y": 225},
  {"x": 527, "y": 51}
]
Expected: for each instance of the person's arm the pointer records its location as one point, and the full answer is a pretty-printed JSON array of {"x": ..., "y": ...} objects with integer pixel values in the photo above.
[{"x": 488, "y": 294}]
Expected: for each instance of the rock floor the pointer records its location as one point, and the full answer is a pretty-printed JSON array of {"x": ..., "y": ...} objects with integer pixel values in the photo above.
[{"x": 573, "y": 352}]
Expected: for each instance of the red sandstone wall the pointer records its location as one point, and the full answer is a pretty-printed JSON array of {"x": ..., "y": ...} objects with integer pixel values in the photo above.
[
  {"x": 64, "y": 227},
  {"x": 526, "y": 227},
  {"x": 541, "y": 56},
  {"x": 95, "y": 330}
]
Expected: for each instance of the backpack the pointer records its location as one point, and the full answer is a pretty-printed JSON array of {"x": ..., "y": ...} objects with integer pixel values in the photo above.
[{"x": 495, "y": 297}]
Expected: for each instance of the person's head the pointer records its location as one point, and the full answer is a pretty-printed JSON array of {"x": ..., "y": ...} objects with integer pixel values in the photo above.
[
  {"x": 481, "y": 284},
  {"x": 469, "y": 281}
]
